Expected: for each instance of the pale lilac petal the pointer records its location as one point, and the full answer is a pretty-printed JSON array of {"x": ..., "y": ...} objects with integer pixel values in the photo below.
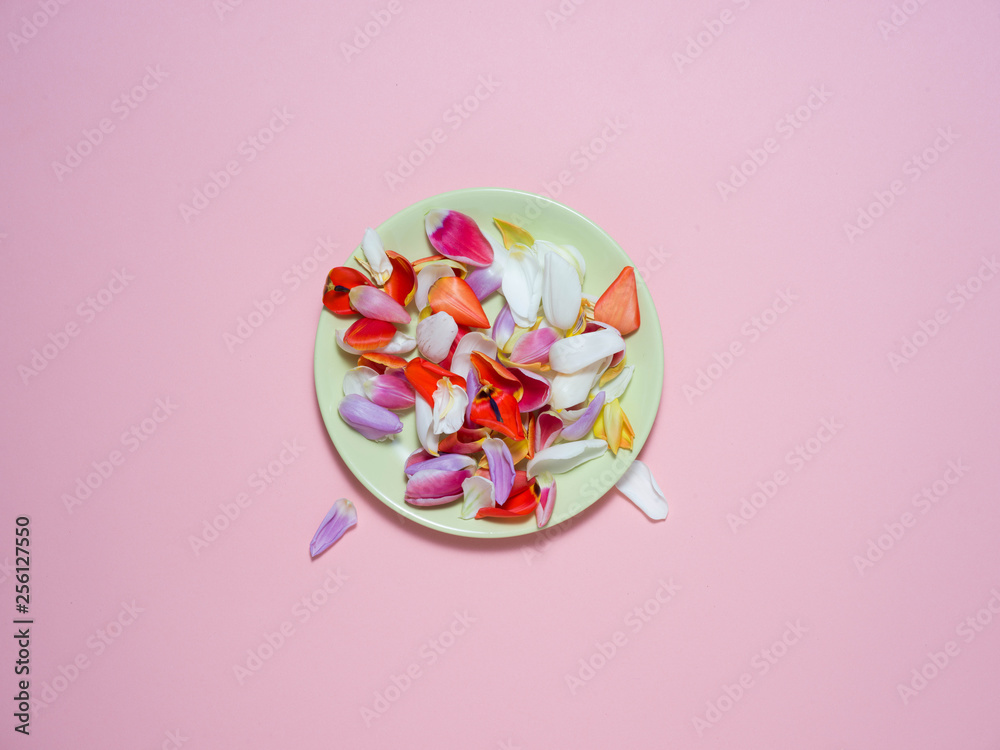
[
  {"x": 537, "y": 389},
  {"x": 546, "y": 499},
  {"x": 374, "y": 422},
  {"x": 561, "y": 292},
  {"x": 639, "y": 486},
  {"x": 573, "y": 353},
  {"x": 534, "y": 346},
  {"x": 563, "y": 457},
  {"x": 390, "y": 391},
  {"x": 425, "y": 280},
  {"x": 458, "y": 237},
  {"x": 450, "y": 403},
  {"x": 478, "y": 493},
  {"x": 503, "y": 327},
  {"x": 355, "y": 379},
  {"x": 522, "y": 285},
  {"x": 435, "y": 335},
  {"x": 342, "y": 516},
  {"x": 474, "y": 341},
  {"x": 432, "y": 483},
  {"x": 501, "y": 466},
  {"x": 585, "y": 421},
  {"x": 447, "y": 462},
  {"x": 485, "y": 281},
  {"x": 372, "y": 302}
]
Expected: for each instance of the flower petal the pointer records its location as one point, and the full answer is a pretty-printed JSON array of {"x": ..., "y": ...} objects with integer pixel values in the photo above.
[
  {"x": 424, "y": 377},
  {"x": 402, "y": 282},
  {"x": 534, "y": 346},
  {"x": 613, "y": 426},
  {"x": 479, "y": 494},
  {"x": 492, "y": 372},
  {"x": 400, "y": 343},
  {"x": 455, "y": 296},
  {"x": 425, "y": 423},
  {"x": 446, "y": 462},
  {"x": 498, "y": 411},
  {"x": 537, "y": 389},
  {"x": 639, "y": 486},
  {"x": 543, "y": 431},
  {"x": 567, "y": 252},
  {"x": 485, "y": 281},
  {"x": 501, "y": 466},
  {"x": 374, "y": 422},
  {"x": 546, "y": 499},
  {"x": 376, "y": 262},
  {"x": 570, "y": 390},
  {"x": 339, "y": 282},
  {"x": 342, "y": 516},
  {"x": 615, "y": 387},
  {"x": 560, "y": 458},
  {"x": 355, "y": 379},
  {"x": 458, "y": 237},
  {"x": 449, "y": 404},
  {"x": 390, "y": 391},
  {"x": 619, "y": 305},
  {"x": 573, "y": 353},
  {"x": 465, "y": 441},
  {"x": 513, "y": 234},
  {"x": 435, "y": 335},
  {"x": 372, "y": 302},
  {"x": 381, "y": 362},
  {"x": 520, "y": 503},
  {"x": 522, "y": 285},
  {"x": 474, "y": 341},
  {"x": 503, "y": 328},
  {"x": 585, "y": 421},
  {"x": 426, "y": 278},
  {"x": 433, "y": 483},
  {"x": 561, "y": 292},
  {"x": 368, "y": 334}
]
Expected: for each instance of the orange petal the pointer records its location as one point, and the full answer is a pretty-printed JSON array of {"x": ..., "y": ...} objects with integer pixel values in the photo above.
[
  {"x": 492, "y": 372},
  {"x": 619, "y": 305},
  {"x": 339, "y": 282},
  {"x": 424, "y": 377},
  {"x": 367, "y": 334},
  {"x": 381, "y": 362},
  {"x": 455, "y": 297},
  {"x": 402, "y": 283}
]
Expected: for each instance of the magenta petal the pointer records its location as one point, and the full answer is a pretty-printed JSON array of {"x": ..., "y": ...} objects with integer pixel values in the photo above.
[
  {"x": 585, "y": 421},
  {"x": 501, "y": 465},
  {"x": 390, "y": 391},
  {"x": 503, "y": 326},
  {"x": 537, "y": 389},
  {"x": 447, "y": 462},
  {"x": 458, "y": 237},
  {"x": 546, "y": 499},
  {"x": 533, "y": 347},
  {"x": 418, "y": 456},
  {"x": 485, "y": 281},
  {"x": 341, "y": 517},
  {"x": 371, "y": 420},
  {"x": 548, "y": 427},
  {"x": 430, "y": 484}
]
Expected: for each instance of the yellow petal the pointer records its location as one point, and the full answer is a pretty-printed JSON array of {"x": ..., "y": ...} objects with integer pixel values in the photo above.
[{"x": 513, "y": 234}]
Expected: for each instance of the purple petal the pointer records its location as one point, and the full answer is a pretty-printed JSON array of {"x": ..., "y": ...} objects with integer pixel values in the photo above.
[
  {"x": 429, "y": 484},
  {"x": 341, "y": 517},
  {"x": 485, "y": 281},
  {"x": 537, "y": 389},
  {"x": 447, "y": 462},
  {"x": 585, "y": 421},
  {"x": 390, "y": 391},
  {"x": 472, "y": 389},
  {"x": 533, "y": 347},
  {"x": 371, "y": 420},
  {"x": 503, "y": 326},
  {"x": 501, "y": 465}
]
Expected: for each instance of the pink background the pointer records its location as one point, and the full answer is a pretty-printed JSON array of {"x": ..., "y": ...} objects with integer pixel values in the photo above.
[{"x": 536, "y": 606}]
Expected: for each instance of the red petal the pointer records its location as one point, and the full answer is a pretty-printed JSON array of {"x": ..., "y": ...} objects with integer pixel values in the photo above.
[
  {"x": 520, "y": 504},
  {"x": 492, "y": 372},
  {"x": 497, "y": 410},
  {"x": 424, "y": 377},
  {"x": 402, "y": 282},
  {"x": 367, "y": 334},
  {"x": 381, "y": 362},
  {"x": 339, "y": 282}
]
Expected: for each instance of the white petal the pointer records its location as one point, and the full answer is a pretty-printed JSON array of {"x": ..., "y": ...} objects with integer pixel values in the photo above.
[
  {"x": 450, "y": 402},
  {"x": 471, "y": 342},
  {"x": 522, "y": 285},
  {"x": 378, "y": 262},
  {"x": 573, "y": 353},
  {"x": 615, "y": 387},
  {"x": 425, "y": 425},
  {"x": 425, "y": 280},
  {"x": 567, "y": 252},
  {"x": 639, "y": 486},
  {"x": 562, "y": 457},
  {"x": 479, "y": 493},
  {"x": 435, "y": 334},
  {"x": 569, "y": 390},
  {"x": 560, "y": 292},
  {"x": 354, "y": 380}
]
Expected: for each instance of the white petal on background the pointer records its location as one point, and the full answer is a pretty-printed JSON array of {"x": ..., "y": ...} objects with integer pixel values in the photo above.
[
  {"x": 425, "y": 280},
  {"x": 522, "y": 285},
  {"x": 474, "y": 341},
  {"x": 378, "y": 262},
  {"x": 561, "y": 292},
  {"x": 425, "y": 425},
  {"x": 563, "y": 457},
  {"x": 573, "y": 353},
  {"x": 639, "y": 486},
  {"x": 569, "y": 390},
  {"x": 615, "y": 387},
  {"x": 435, "y": 334},
  {"x": 354, "y": 380},
  {"x": 450, "y": 402},
  {"x": 478, "y": 494}
]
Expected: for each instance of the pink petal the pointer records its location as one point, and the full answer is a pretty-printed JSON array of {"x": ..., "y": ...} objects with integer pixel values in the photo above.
[
  {"x": 501, "y": 466},
  {"x": 447, "y": 462},
  {"x": 585, "y": 422},
  {"x": 458, "y": 237},
  {"x": 378, "y": 305},
  {"x": 432, "y": 484},
  {"x": 390, "y": 391},
  {"x": 427, "y": 502},
  {"x": 546, "y": 499},
  {"x": 548, "y": 428},
  {"x": 371, "y": 420},
  {"x": 533, "y": 347},
  {"x": 537, "y": 389},
  {"x": 341, "y": 517}
]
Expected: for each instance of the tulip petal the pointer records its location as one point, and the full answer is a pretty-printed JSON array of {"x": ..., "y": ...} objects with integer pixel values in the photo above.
[
  {"x": 372, "y": 302},
  {"x": 522, "y": 285},
  {"x": 368, "y": 334},
  {"x": 613, "y": 427},
  {"x": 342, "y": 516},
  {"x": 639, "y": 486},
  {"x": 374, "y": 422},
  {"x": 402, "y": 282},
  {"x": 497, "y": 410},
  {"x": 561, "y": 292},
  {"x": 615, "y": 387},
  {"x": 425, "y": 424},
  {"x": 455, "y": 296},
  {"x": 400, "y": 343},
  {"x": 501, "y": 466},
  {"x": 465, "y": 441},
  {"x": 478, "y": 493},
  {"x": 375, "y": 261},
  {"x": 433, "y": 483},
  {"x": 355, "y": 379},
  {"x": 390, "y": 391},
  {"x": 485, "y": 281},
  {"x": 492, "y": 372},
  {"x": 449, "y": 404},
  {"x": 435, "y": 335},
  {"x": 381, "y": 362},
  {"x": 426, "y": 278},
  {"x": 534, "y": 347},
  {"x": 570, "y": 390},
  {"x": 537, "y": 389},
  {"x": 458, "y": 237},
  {"x": 339, "y": 282},
  {"x": 567, "y": 252},
  {"x": 619, "y": 305},
  {"x": 474, "y": 341},
  {"x": 520, "y": 503},
  {"x": 543, "y": 431},
  {"x": 446, "y": 462},
  {"x": 513, "y": 234},
  {"x": 503, "y": 328},
  {"x": 424, "y": 377},
  {"x": 560, "y": 458},
  {"x": 585, "y": 421},
  {"x": 546, "y": 499},
  {"x": 573, "y": 353}
]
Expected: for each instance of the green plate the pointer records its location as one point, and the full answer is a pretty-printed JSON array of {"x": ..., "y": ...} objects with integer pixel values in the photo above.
[{"x": 379, "y": 466}]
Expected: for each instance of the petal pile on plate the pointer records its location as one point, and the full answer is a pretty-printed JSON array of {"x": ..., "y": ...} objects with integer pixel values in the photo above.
[{"x": 501, "y": 406}]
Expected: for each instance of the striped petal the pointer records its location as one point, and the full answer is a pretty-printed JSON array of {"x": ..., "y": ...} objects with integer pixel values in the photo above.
[
  {"x": 373, "y": 303},
  {"x": 522, "y": 285},
  {"x": 574, "y": 353},
  {"x": 546, "y": 499},
  {"x": 639, "y": 486},
  {"x": 458, "y": 237},
  {"x": 434, "y": 487},
  {"x": 478, "y": 493},
  {"x": 465, "y": 441},
  {"x": 339, "y": 282},
  {"x": 374, "y": 422},
  {"x": 435, "y": 335},
  {"x": 619, "y": 305},
  {"x": 585, "y": 421},
  {"x": 561, "y": 292},
  {"x": 390, "y": 391},
  {"x": 534, "y": 347},
  {"x": 454, "y": 296},
  {"x": 342, "y": 516},
  {"x": 501, "y": 466},
  {"x": 375, "y": 261},
  {"x": 537, "y": 389},
  {"x": 563, "y": 457}
]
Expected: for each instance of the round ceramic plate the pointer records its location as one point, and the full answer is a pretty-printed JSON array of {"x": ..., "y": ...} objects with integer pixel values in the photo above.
[{"x": 379, "y": 466}]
